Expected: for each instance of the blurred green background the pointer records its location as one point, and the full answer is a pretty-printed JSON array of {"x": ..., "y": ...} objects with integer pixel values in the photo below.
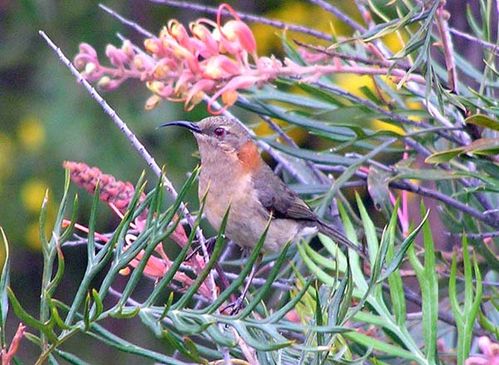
[{"x": 46, "y": 118}]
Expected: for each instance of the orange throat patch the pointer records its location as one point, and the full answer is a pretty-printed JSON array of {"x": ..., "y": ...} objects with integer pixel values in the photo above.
[{"x": 249, "y": 156}]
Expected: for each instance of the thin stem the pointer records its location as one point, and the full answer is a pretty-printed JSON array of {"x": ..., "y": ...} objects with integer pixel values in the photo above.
[
  {"x": 126, "y": 21},
  {"x": 360, "y": 59},
  {"x": 339, "y": 14},
  {"x": 492, "y": 47},
  {"x": 249, "y": 17},
  {"x": 450, "y": 63},
  {"x": 477, "y": 236},
  {"x": 391, "y": 115},
  {"x": 406, "y": 185}
]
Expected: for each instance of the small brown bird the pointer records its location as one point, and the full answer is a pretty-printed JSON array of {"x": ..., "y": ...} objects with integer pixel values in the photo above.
[{"x": 233, "y": 173}]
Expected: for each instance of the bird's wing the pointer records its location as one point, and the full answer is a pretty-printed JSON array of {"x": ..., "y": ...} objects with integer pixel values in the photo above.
[{"x": 277, "y": 198}]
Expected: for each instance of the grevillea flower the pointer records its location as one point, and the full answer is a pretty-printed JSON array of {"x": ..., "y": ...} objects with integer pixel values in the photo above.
[
  {"x": 211, "y": 59},
  {"x": 490, "y": 353},
  {"x": 8, "y": 355},
  {"x": 181, "y": 65},
  {"x": 112, "y": 191},
  {"x": 118, "y": 194}
]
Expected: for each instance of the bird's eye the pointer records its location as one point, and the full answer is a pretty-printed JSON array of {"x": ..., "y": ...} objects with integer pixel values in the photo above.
[{"x": 219, "y": 132}]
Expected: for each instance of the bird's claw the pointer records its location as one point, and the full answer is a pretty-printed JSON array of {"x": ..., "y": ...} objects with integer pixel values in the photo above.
[
  {"x": 234, "y": 306},
  {"x": 209, "y": 244}
]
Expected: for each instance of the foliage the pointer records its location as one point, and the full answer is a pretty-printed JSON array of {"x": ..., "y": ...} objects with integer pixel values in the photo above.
[{"x": 314, "y": 301}]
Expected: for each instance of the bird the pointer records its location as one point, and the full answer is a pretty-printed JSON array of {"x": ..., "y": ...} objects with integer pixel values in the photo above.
[{"x": 233, "y": 174}]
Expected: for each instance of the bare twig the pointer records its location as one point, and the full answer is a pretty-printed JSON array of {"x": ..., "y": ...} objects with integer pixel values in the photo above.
[
  {"x": 408, "y": 186},
  {"x": 493, "y": 47},
  {"x": 477, "y": 236},
  {"x": 249, "y": 17},
  {"x": 443, "y": 28},
  {"x": 331, "y": 53},
  {"x": 126, "y": 21},
  {"x": 339, "y": 14},
  {"x": 138, "y": 28},
  {"x": 134, "y": 141},
  {"x": 320, "y": 70}
]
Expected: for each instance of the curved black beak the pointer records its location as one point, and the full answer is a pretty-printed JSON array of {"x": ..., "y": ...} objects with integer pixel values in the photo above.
[{"x": 182, "y": 123}]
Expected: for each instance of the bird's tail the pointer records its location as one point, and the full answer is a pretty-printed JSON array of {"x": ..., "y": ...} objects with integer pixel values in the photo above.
[{"x": 339, "y": 237}]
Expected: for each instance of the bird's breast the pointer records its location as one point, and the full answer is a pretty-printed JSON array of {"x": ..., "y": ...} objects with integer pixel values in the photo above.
[{"x": 222, "y": 186}]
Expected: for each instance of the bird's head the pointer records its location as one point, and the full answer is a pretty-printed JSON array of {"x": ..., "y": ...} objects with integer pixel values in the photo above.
[{"x": 217, "y": 134}]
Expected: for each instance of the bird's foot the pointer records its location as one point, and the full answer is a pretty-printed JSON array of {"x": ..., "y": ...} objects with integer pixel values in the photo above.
[
  {"x": 209, "y": 244},
  {"x": 233, "y": 307}
]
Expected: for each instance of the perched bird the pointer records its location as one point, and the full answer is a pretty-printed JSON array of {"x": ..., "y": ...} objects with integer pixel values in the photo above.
[{"x": 233, "y": 173}]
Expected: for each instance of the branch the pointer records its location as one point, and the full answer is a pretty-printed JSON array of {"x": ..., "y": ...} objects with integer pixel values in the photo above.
[
  {"x": 339, "y": 14},
  {"x": 492, "y": 47},
  {"x": 477, "y": 236},
  {"x": 450, "y": 63},
  {"x": 126, "y": 21},
  {"x": 408, "y": 186}
]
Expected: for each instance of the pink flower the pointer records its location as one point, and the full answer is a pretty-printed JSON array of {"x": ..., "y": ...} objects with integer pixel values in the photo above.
[
  {"x": 212, "y": 60},
  {"x": 209, "y": 59},
  {"x": 490, "y": 352},
  {"x": 118, "y": 194}
]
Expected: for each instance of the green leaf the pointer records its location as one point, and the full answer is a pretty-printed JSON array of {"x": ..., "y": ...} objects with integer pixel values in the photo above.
[
  {"x": 125, "y": 312},
  {"x": 99, "y": 307},
  {"x": 397, "y": 259},
  {"x": 466, "y": 315},
  {"x": 111, "y": 339},
  {"x": 377, "y": 186},
  {"x": 70, "y": 358},
  {"x": 342, "y": 298},
  {"x": 217, "y": 250},
  {"x": 28, "y": 319},
  {"x": 428, "y": 282},
  {"x": 483, "y": 121},
  {"x": 379, "y": 345},
  {"x": 482, "y": 146},
  {"x": 444, "y": 156},
  {"x": 314, "y": 268},
  {"x": 192, "y": 352},
  {"x": 370, "y": 231}
]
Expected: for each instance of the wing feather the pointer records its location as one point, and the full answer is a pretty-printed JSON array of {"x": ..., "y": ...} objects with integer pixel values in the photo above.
[{"x": 277, "y": 198}]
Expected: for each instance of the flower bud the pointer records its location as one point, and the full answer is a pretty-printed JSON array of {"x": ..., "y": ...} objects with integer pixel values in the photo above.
[
  {"x": 152, "y": 102},
  {"x": 229, "y": 97}
]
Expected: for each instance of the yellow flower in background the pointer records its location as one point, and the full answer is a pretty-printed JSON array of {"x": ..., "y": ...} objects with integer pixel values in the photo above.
[
  {"x": 32, "y": 236},
  {"x": 304, "y": 14},
  {"x": 6, "y": 155},
  {"x": 32, "y": 194},
  {"x": 394, "y": 41},
  {"x": 31, "y": 133}
]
